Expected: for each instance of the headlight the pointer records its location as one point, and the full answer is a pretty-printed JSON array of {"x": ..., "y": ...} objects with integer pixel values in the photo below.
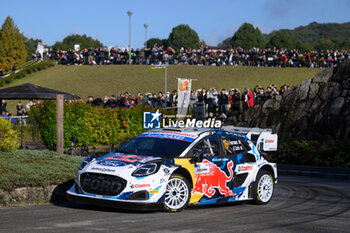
[
  {"x": 146, "y": 170},
  {"x": 86, "y": 160}
]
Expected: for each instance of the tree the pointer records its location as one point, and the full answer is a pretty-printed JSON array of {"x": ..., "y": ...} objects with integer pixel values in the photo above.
[
  {"x": 12, "y": 48},
  {"x": 31, "y": 45},
  {"x": 84, "y": 42},
  {"x": 248, "y": 37},
  {"x": 226, "y": 43},
  {"x": 183, "y": 36},
  {"x": 346, "y": 44},
  {"x": 324, "y": 44},
  {"x": 282, "y": 40},
  {"x": 303, "y": 47},
  {"x": 156, "y": 42}
]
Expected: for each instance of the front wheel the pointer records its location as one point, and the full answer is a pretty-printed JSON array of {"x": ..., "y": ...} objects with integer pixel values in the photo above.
[
  {"x": 263, "y": 188},
  {"x": 177, "y": 194}
]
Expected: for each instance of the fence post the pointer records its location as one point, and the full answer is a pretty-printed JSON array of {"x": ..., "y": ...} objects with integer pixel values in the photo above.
[
  {"x": 33, "y": 131},
  {"x": 59, "y": 124},
  {"x": 21, "y": 119}
]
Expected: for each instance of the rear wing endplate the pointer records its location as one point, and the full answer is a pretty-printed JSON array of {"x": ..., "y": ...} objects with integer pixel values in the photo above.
[{"x": 264, "y": 139}]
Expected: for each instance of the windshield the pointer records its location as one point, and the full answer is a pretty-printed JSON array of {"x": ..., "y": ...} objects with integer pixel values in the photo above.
[{"x": 158, "y": 147}]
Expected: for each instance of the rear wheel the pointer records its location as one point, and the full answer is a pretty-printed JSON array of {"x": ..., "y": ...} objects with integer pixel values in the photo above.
[
  {"x": 177, "y": 194},
  {"x": 263, "y": 188}
]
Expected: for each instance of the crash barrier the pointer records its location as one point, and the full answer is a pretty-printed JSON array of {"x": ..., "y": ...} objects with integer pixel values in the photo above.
[
  {"x": 27, "y": 127},
  {"x": 316, "y": 172}
]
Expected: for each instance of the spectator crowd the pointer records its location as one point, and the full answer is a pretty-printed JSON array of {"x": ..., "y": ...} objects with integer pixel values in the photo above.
[
  {"x": 217, "y": 103},
  {"x": 202, "y": 56}
]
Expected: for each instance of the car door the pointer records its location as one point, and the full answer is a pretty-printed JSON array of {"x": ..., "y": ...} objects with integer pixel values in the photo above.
[
  {"x": 236, "y": 150},
  {"x": 214, "y": 172}
]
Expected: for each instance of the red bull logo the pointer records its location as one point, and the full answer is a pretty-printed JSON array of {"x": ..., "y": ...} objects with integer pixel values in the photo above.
[{"x": 216, "y": 178}]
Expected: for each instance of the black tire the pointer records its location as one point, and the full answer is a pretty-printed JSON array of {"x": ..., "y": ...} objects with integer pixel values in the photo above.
[
  {"x": 177, "y": 198},
  {"x": 263, "y": 188}
]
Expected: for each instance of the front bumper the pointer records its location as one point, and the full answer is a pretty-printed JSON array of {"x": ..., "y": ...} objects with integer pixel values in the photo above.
[{"x": 125, "y": 205}]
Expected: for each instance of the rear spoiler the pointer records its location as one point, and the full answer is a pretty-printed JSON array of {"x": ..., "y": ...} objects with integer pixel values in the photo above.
[{"x": 264, "y": 139}]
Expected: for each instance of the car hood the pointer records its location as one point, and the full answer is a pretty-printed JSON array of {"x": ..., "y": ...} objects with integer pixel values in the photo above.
[{"x": 121, "y": 159}]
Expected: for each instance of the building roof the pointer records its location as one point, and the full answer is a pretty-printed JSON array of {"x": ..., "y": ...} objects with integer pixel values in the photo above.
[{"x": 32, "y": 91}]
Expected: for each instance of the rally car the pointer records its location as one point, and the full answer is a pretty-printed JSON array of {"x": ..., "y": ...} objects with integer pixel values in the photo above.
[{"x": 171, "y": 168}]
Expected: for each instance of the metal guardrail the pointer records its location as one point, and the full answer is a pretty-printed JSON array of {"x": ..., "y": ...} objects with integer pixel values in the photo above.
[{"x": 21, "y": 67}]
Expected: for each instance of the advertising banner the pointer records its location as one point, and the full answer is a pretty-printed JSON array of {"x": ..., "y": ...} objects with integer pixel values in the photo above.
[{"x": 184, "y": 93}]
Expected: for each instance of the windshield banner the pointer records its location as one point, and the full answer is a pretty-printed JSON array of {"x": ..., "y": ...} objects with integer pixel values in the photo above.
[{"x": 184, "y": 90}]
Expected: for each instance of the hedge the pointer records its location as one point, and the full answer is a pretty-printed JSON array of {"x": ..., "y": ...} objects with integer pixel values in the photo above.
[
  {"x": 9, "y": 138},
  {"x": 27, "y": 70},
  {"x": 93, "y": 125},
  {"x": 313, "y": 153}
]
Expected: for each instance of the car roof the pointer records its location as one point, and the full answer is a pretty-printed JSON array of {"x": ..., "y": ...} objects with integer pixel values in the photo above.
[
  {"x": 189, "y": 130},
  {"x": 195, "y": 131}
]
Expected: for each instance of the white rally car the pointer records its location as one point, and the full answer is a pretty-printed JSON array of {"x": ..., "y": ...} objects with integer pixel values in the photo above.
[{"x": 171, "y": 168}]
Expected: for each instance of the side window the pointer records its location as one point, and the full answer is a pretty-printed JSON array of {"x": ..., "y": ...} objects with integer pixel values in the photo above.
[
  {"x": 232, "y": 145},
  {"x": 210, "y": 146}
]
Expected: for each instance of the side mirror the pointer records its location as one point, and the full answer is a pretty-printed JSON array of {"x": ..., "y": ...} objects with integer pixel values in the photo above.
[{"x": 197, "y": 156}]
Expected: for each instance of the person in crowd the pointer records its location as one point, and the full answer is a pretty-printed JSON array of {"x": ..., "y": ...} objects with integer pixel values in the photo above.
[
  {"x": 113, "y": 102},
  {"x": 193, "y": 99},
  {"x": 19, "y": 108},
  {"x": 90, "y": 100},
  {"x": 260, "y": 95},
  {"x": 3, "y": 106},
  {"x": 29, "y": 104},
  {"x": 268, "y": 93},
  {"x": 106, "y": 101},
  {"x": 250, "y": 101},
  {"x": 1, "y": 72},
  {"x": 235, "y": 101},
  {"x": 173, "y": 98},
  {"x": 223, "y": 102},
  {"x": 163, "y": 101},
  {"x": 97, "y": 102},
  {"x": 141, "y": 100},
  {"x": 244, "y": 99}
]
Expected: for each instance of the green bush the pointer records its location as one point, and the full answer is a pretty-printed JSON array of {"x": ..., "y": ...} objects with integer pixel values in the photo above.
[
  {"x": 28, "y": 70},
  {"x": 89, "y": 124},
  {"x": 9, "y": 138},
  {"x": 313, "y": 153}
]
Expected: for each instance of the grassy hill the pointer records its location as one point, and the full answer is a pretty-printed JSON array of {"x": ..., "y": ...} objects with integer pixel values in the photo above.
[{"x": 108, "y": 80}]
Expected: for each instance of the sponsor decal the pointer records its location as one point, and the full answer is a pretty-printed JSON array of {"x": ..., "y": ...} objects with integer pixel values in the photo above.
[
  {"x": 201, "y": 168},
  {"x": 111, "y": 163},
  {"x": 217, "y": 179},
  {"x": 243, "y": 168},
  {"x": 170, "y": 135},
  {"x": 136, "y": 186},
  {"x": 154, "y": 191},
  {"x": 101, "y": 185},
  {"x": 125, "y": 158},
  {"x": 166, "y": 170},
  {"x": 102, "y": 169},
  {"x": 144, "y": 160},
  {"x": 162, "y": 181},
  {"x": 151, "y": 120},
  {"x": 269, "y": 141}
]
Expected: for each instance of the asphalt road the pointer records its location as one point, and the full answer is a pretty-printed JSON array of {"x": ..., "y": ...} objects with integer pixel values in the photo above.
[{"x": 299, "y": 204}]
